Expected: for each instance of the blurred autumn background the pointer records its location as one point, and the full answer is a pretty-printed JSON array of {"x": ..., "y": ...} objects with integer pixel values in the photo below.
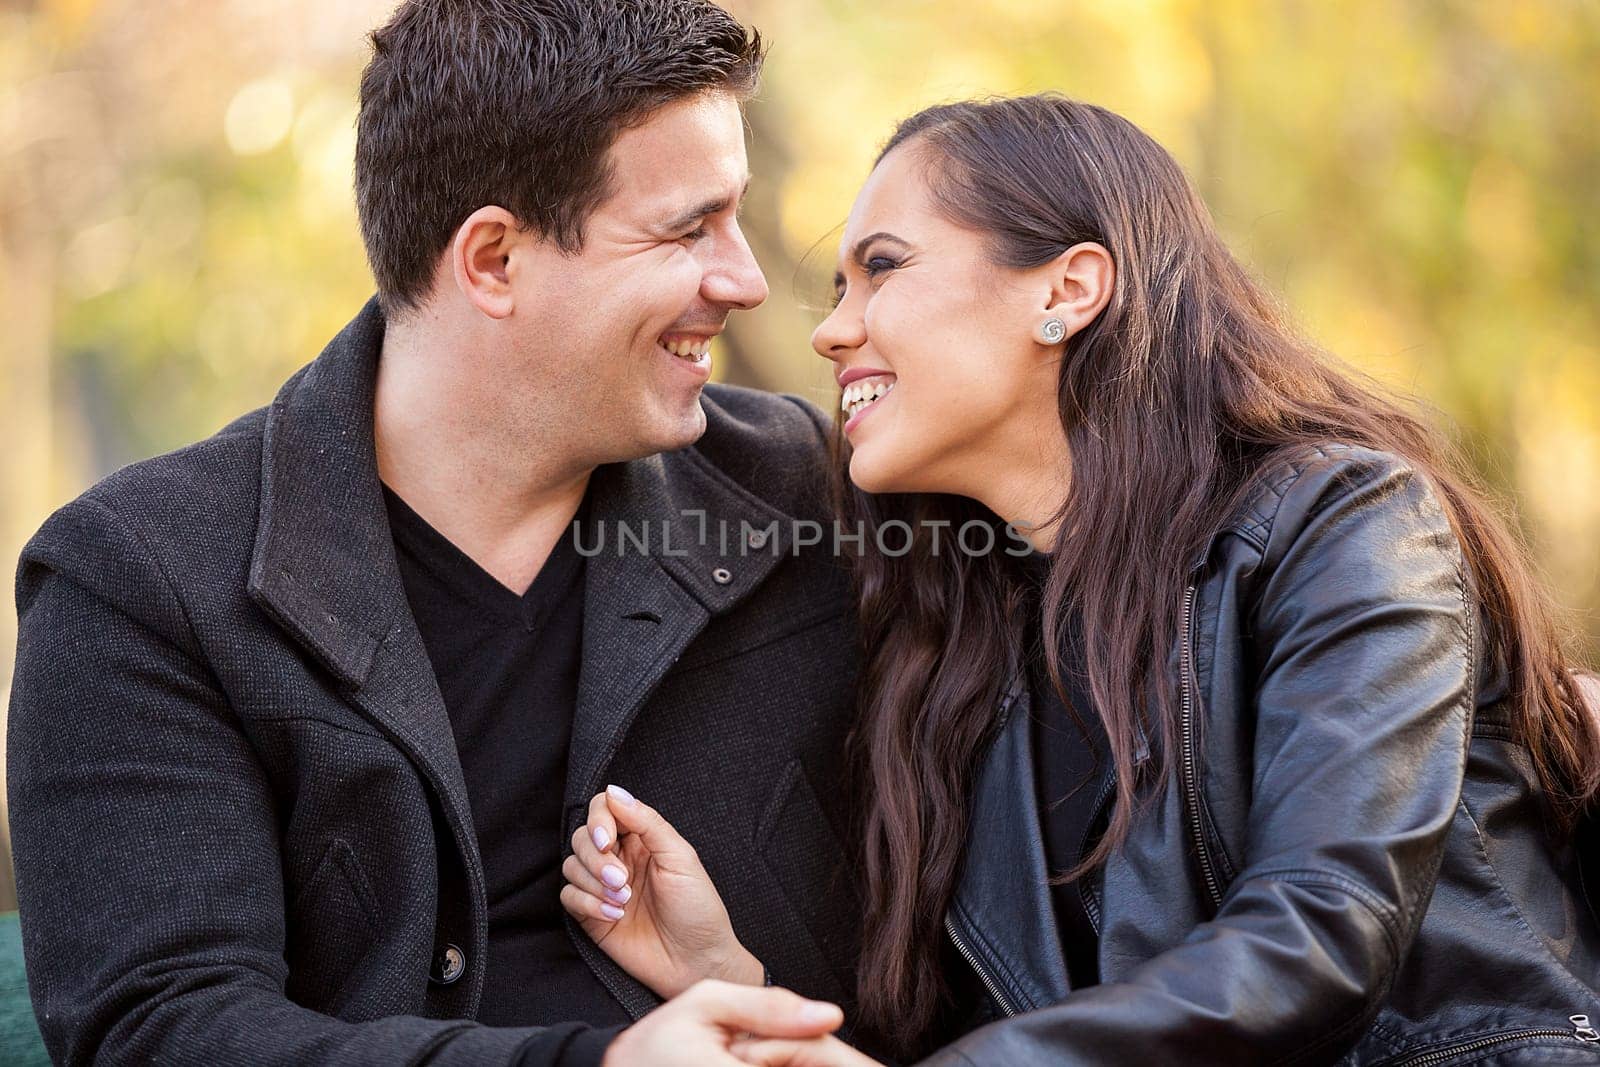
[{"x": 1421, "y": 181}]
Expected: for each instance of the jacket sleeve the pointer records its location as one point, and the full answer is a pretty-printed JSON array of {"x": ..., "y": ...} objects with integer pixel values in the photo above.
[
  {"x": 149, "y": 875},
  {"x": 1363, "y": 650}
]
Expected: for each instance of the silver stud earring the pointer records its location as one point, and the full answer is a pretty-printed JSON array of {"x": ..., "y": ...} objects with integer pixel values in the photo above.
[{"x": 1051, "y": 332}]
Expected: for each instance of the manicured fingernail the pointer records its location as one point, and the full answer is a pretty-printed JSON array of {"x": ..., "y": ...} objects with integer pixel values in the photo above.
[
  {"x": 612, "y": 912},
  {"x": 615, "y": 877},
  {"x": 601, "y": 838},
  {"x": 619, "y": 896},
  {"x": 816, "y": 1012},
  {"x": 619, "y": 794}
]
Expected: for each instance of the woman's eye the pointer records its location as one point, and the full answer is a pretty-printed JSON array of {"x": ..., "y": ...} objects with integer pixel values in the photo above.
[{"x": 877, "y": 265}]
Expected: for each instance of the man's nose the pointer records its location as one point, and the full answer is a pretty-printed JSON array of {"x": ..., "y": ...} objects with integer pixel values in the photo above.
[{"x": 736, "y": 280}]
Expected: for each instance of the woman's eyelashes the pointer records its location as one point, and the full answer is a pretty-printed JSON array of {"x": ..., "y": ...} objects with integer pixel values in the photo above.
[
  {"x": 873, "y": 267},
  {"x": 876, "y": 265}
]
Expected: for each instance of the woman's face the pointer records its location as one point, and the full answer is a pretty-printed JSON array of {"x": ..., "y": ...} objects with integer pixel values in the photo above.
[{"x": 943, "y": 338}]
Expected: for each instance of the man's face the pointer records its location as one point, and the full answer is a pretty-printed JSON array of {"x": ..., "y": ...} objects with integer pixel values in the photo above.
[{"x": 623, "y": 328}]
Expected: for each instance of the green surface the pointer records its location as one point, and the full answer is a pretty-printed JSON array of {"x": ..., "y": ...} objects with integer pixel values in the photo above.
[{"x": 20, "y": 1044}]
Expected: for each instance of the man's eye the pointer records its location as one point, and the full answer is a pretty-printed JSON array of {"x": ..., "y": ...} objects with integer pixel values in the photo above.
[{"x": 694, "y": 234}]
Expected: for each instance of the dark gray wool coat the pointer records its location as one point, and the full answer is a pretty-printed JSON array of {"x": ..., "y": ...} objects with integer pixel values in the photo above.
[{"x": 240, "y": 825}]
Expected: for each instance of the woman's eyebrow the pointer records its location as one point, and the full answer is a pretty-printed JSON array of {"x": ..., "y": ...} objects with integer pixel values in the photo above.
[{"x": 866, "y": 242}]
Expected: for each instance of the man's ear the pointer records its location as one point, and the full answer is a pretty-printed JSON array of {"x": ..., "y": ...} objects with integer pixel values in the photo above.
[
  {"x": 480, "y": 260},
  {"x": 1081, "y": 282}
]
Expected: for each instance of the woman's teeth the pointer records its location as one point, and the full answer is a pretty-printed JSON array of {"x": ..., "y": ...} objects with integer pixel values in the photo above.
[
  {"x": 859, "y": 395},
  {"x": 694, "y": 351}
]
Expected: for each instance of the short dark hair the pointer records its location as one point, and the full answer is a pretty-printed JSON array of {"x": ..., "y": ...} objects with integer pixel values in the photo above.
[{"x": 517, "y": 103}]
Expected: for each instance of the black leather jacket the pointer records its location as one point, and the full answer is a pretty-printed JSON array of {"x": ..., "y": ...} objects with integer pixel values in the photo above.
[{"x": 1347, "y": 866}]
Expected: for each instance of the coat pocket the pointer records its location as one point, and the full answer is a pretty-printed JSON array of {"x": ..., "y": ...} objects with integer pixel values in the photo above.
[
  {"x": 333, "y": 922},
  {"x": 811, "y": 865}
]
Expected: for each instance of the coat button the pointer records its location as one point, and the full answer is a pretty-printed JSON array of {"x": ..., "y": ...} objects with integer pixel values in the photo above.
[
  {"x": 448, "y": 963},
  {"x": 722, "y": 576}
]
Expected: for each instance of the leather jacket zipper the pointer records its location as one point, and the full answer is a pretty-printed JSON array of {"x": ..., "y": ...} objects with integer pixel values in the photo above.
[
  {"x": 1091, "y": 903},
  {"x": 972, "y": 961},
  {"x": 1189, "y": 771},
  {"x": 1581, "y": 1031},
  {"x": 961, "y": 945}
]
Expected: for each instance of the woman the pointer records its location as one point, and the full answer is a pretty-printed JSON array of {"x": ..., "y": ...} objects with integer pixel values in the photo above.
[{"x": 1272, "y": 755}]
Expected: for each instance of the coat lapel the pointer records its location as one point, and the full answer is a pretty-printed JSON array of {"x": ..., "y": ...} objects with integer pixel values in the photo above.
[
  {"x": 643, "y": 606},
  {"x": 324, "y": 568}
]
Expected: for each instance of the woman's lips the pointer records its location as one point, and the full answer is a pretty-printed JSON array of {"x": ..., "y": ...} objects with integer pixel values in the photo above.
[{"x": 855, "y": 374}]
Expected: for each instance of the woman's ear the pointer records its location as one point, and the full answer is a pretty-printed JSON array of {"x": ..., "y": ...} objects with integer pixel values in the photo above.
[{"x": 1081, "y": 281}]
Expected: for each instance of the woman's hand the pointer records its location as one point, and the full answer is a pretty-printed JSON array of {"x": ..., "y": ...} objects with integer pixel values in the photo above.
[{"x": 638, "y": 890}]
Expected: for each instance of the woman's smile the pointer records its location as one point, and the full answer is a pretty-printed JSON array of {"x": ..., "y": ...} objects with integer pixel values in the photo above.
[{"x": 864, "y": 395}]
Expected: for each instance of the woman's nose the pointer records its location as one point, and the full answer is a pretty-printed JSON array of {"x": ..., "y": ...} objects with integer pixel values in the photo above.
[{"x": 837, "y": 335}]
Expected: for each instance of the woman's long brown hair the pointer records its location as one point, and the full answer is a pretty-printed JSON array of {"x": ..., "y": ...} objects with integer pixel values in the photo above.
[{"x": 1187, "y": 385}]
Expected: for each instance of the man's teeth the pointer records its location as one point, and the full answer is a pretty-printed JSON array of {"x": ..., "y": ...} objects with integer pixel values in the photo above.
[
  {"x": 860, "y": 394},
  {"x": 693, "y": 351}
]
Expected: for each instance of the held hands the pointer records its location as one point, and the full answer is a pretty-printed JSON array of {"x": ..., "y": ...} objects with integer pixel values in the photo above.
[
  {"x": 708, "y": 1027},
  {"x": 638, "y": 890}
]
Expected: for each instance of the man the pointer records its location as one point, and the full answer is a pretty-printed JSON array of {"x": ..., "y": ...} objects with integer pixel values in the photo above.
[{"x": 305, "y": 715}]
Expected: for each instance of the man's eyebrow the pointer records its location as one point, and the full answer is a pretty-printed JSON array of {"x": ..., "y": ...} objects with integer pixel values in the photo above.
[
  {"x": 861, "y": 247},
  {"x": 700, "y": 211}
]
